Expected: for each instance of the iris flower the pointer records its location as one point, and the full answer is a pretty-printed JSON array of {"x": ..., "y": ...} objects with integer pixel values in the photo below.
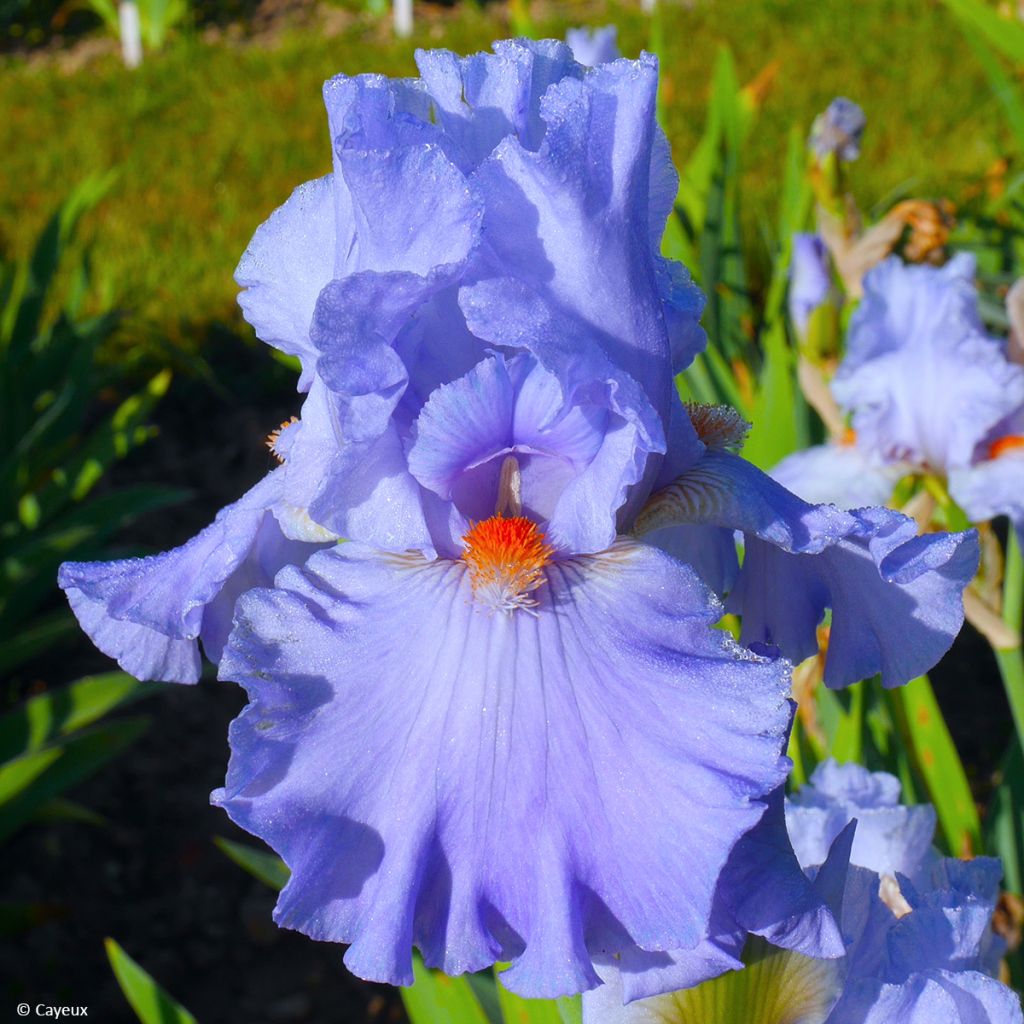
[
  {"x": 838, "y": 130},
  {"x": 593, "y": 46},
  {"x": 917, "y": 927},
  {"x": 498, "y": 722},
  {"x": 811, "y": 279},
  {"x": 928, "y": 393}
]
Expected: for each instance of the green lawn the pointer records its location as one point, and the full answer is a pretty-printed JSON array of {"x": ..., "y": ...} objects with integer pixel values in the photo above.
[{"x": 210, "y": 138}]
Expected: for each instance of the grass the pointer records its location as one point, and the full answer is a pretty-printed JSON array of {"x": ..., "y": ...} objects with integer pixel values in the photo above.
[{"x": 209, "y": 138}]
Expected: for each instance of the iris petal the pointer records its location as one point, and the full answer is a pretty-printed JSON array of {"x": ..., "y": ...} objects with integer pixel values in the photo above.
[
  {"x": 476, "y": 784},
  {"x": 895, "y": 596},
  {"x": 994, "y": 487},
  {"x": 891, "y": 838},
  {"x": 483, "y": 98},
  {"x": 149, "y": 613},
  {"x": 965, "y": 997},
  {"x": 572, "y": 274},
  {"x": 288, "y": 261},
  {"x": 837, "y": 474}
]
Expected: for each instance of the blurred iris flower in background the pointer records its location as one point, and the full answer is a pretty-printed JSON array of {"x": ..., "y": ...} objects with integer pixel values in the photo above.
[{"x": 929, "y": 393}]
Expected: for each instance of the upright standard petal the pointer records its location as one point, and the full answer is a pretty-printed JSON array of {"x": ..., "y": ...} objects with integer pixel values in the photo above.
[
  {"x": 570, "y": 246},
  {"x": 474, "y": 783},
  {"x": 287, "y": 263},
  {"x": 487, "y": 97}
]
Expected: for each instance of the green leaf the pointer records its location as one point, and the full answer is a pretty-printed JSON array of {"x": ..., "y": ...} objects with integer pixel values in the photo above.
[
  {"x": 1004, "y": 826},
  {"x": 517, "y": 1010},
  {"x": 18, "y": 774},
  {"x": 1004, "y": 34},
  {"x": 63, "y": 711},
  {"x": 111, "y": 440},
  {"x": 571, "y": 1009},
  {"x": 848, "y": 741},
  {"x": 435, "y": 998},
  {"x": 1002, "y": 86},
  {"x": 267, "y": 867},
  {"x": 30, "y": 781},
  {"x": 42, "y": 634},
  {"x": 937, "y": 762},
  {"x": 152, "y": 1005},
  {"x": 777, "y": 407},
  {"x": 20, "y": 322}
]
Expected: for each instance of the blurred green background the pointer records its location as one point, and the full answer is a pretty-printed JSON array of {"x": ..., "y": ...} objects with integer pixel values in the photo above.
[{"x": 213, "y": 133}]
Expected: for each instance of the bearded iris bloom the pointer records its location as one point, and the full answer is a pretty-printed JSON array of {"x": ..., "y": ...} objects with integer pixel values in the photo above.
[
  {"x": 497, "y": 723},
  {"x": 917, "y": 927},
  {"x": 928, "y": 393}
]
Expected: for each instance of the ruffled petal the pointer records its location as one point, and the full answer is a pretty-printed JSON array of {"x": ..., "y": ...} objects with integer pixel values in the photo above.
[
  {"x": 912, "y": 305},
  {"x": 483, "y": 98},
  {"x": 149, "y": 613},
  {"x": 946, "y": 930},
  {"x": 570, "y": 255},
  {"x": 409, "y": 756},
  {"x": 287, "y": 263},
  {"x": 723, "y": 490},
  {"x": 896, "y": 598},
  {"x": 837, "y": 474},
  {"x": 142, "y": 652},
  {"x": 775, "y": 900},
  {"x": 769, "y": 895},
  {"x": 411, "y": 209}
]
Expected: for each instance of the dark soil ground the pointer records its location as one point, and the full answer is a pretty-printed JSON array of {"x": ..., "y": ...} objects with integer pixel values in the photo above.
[{"x": 152, "y": 878}]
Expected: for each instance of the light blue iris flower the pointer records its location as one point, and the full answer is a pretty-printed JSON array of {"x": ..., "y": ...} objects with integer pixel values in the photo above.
[
  {"x": 497, "y": 722},
  {"x": 928, "y": 392}
]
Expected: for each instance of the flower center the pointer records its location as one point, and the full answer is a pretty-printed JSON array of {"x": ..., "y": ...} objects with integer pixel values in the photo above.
[
  {"x": 506, "y": 559},
  {"x": 1010, "y": 443}
]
